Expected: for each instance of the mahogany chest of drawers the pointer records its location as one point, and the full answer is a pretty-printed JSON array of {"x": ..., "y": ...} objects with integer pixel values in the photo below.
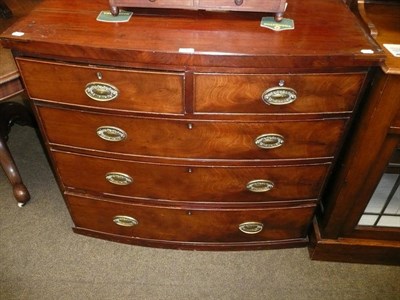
[{"x": 195, "y": 131}]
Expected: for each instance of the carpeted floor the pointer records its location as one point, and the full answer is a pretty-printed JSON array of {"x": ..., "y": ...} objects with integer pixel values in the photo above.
[{"x": 41, "y": 258}]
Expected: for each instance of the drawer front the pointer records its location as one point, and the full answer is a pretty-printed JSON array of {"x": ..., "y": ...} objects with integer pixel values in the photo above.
[
  {"x": 155, "y": 3},
  {"x": 203, "y": 183},
  {"x": 103, "y": 87},
  {"x": 192, "y": 139},
  {"x": 190, "y": 225},
  {"x": 245, "y": 5},
  {"x": 258, "y": 94}
]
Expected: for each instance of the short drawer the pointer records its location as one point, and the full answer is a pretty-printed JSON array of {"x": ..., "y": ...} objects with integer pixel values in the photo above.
[
  {"x": 258, "y": 94},
  {"x": 154, "y": 3},
  {"x": 245, "y": 5},
  {"x": 190, "y": 225},
  {"x": 106, "y": 88},
  {"x": 192, "y": 139},
  {"x": 201, "y": 183}
]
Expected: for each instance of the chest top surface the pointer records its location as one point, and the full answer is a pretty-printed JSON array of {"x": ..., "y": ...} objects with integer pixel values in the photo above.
[{"x": 326, "y": 34}]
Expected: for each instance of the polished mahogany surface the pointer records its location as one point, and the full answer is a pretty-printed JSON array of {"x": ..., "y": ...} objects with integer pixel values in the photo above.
[
  {"x": 193, "y": 129},
  {"x": 332, "y": 37},
  {"x": 387, "y": 18},
  {"x": 338, "y": 234}
]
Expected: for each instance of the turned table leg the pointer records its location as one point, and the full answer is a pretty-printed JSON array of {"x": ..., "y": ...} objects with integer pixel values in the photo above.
[
  {"x": 10, "y": 113},
  {"x": 21, "y": 193}
]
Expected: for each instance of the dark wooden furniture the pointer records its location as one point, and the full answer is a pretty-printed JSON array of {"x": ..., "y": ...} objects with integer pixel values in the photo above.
[
  {"x": 267, "y": 6},
  {"x": 5, "y": 11},
  {"x": 11, "y": 113},
  {"x": 343, "y": 232},
  {"x": 196, "y": 130}
]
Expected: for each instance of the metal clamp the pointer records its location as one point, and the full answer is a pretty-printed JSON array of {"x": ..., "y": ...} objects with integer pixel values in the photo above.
[
  {"x": 111, "y": 133},
  {"x": 251, "y": 227},
  {"x": 118, "y": 178},
  {"x": 125, "y": 221},
  {"x": 259, "y": 186},
  {"x": 269, "y": 141},
  {"x": 279, "y": 96},
  {"x": 100, "y": 91}
]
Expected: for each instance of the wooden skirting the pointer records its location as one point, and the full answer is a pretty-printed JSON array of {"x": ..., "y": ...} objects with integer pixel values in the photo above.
[{"x": 353, "y": 250}]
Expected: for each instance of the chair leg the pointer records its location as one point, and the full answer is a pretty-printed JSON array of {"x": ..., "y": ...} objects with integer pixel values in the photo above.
[
  {"x": 10, "y": 113},
  {"x": 20, "y": 191}
]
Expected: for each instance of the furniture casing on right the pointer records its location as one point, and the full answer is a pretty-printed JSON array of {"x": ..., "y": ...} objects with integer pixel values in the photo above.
[{"x": 360, "y": 218}]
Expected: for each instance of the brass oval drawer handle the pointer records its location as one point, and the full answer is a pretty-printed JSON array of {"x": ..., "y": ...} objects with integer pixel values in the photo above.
[
  {"x": 100, "y": 91},
  {"x": 238, "y": 2},
  {"x": 269, "y": 141},
  {"x": 118, "y": 178},
  {"x": 251, "y": 227},
  {"x": 111, "y": 133},
  {"x": 279, "y": 96},
  {"x": 260, "y": 186},
  {"x": 125, "y": 221}
]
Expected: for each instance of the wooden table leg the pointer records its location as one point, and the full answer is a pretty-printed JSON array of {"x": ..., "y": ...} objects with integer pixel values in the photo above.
[
  {"x": 20, "y": 191},
  {"x": 10, "y": 113}
]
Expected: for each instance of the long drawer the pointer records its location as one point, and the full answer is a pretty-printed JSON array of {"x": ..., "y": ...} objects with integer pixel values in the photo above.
[
  {"x": 193, "y": 138},
  {"x": 100, "y": 87},
  {"x": 155, "y": 4},
  {"x": 245, "y": 5},
  {"x": 202, "y": 183},
  {"x": 187, "y": 224},
  {"x": 280, "y": 93}
]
